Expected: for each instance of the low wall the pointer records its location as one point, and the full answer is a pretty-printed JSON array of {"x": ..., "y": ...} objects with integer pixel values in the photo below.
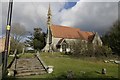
[{"x": 41, "y": 61}]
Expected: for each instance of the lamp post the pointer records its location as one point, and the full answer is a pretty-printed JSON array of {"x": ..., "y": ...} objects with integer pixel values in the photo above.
[{"x": 5, "y": 57}]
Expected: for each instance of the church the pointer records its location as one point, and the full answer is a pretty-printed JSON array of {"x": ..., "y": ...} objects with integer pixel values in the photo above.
[{"x": 59, "y": 37}]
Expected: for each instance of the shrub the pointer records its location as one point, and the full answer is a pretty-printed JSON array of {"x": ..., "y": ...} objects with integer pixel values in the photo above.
[{"x": 80, "y": 48}]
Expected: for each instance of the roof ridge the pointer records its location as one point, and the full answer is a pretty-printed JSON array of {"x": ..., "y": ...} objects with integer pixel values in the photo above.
[
  {"x": 59, "y": 31},
  {"x": 65, "y": 26}
]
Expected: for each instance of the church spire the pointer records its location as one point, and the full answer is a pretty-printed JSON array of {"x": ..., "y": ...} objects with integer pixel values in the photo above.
[
  {"x": 49, "y": 10},
  {"x": 48, "y": 47},
  {"x": 49, "y": 16}
]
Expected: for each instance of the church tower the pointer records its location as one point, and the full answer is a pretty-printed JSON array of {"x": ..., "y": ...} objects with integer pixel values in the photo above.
[
  {"x": 49, "y": 17},
  {"x": 48, "y": 47}
]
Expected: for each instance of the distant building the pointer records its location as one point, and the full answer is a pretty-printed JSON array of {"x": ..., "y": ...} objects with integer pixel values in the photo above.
[
  {"x": 29, "y": 48},
  {"x": 2, "y": 44},
  {"x": 59, "y": 37}
]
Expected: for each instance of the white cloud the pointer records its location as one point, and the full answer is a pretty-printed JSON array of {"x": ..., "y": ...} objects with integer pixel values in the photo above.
[
  {"x": 0, "y": 18},
  {"x": 31, "y": 14},
  {"x": 61, "y": 0},
  {"x": 38, "y": 0},
  {"x": 91, "y": 16}
]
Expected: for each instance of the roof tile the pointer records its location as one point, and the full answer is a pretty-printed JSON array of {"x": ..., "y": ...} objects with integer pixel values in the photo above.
[
  {"x": 65, "y": 32},
  {"x": 69, "y": 32}
]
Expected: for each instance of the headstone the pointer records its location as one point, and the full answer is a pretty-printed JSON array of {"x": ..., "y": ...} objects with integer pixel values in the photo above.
[
  {"x": 70, "y": 75},
  {"x": 104, "y": 71},
  {"x": 50, "y": 69},
  {"x": 105, "y": 61},
  {"x": 111, "y": 60},
  {"x": 117, "y": 62}
]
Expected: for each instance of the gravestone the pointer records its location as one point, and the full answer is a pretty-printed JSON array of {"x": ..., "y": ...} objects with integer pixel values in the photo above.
[
  {"x": 50, "y": 69},
  {"x": 104, "y": 71},
  {"x": 70, "y": 74}
]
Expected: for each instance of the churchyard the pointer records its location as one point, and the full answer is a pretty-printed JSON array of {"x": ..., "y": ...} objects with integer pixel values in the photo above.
[
  {"x": 90, "y": 55},
  {"x": 65, "y": 65}
]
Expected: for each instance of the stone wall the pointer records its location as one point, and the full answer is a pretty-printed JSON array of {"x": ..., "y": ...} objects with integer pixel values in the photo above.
[
  {"x": 97, "y": 40},
  {"x": 2, "y": 44}
]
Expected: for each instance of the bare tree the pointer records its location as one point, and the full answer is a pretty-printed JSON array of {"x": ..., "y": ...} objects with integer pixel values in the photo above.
[{"x": 18, "y": 32}]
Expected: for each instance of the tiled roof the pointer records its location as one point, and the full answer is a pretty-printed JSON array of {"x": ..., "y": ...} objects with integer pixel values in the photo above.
[
  {"x": 86, "y": 34},
  {"x": 65, "y": 32},
  {"x": 69, "y": 32},
  {"x": 91, "y": 38}
]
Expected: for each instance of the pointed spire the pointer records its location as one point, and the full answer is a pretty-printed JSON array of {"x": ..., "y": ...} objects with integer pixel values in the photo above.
[
  {"x": 49, "y": 11},
  {"x": 49, "y": 16},
  {"x": 48, "y": 47}
]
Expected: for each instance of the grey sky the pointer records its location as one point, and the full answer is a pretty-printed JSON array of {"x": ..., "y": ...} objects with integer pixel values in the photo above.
[{"x": 89, "y": 16}]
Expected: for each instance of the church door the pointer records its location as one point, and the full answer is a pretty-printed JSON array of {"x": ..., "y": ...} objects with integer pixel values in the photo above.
[{"x": 64, "y": 46}]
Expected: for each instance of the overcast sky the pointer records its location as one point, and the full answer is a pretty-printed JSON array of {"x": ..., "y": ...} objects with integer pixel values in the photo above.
[{"x": 88, "y": 16}]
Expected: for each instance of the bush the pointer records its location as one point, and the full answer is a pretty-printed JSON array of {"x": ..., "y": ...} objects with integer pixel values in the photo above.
[
  {"x": 85, "y": 49},
  {"x": 30, "y": 51},
  {"x": 99, "y": 51},
  {"x": 77, "y": 47}
]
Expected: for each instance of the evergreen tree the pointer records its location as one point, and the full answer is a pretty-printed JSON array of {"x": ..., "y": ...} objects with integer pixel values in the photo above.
[
  {"x": 37, "y": 39},
  {"x": 112, "y": 38}
]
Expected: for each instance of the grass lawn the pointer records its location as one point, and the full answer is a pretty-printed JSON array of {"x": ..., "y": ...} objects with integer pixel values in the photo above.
[
  {"x": 81, "y": 67},
  {"x": 10, "y": 58},
  {"x": 90, "y": 66}
]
